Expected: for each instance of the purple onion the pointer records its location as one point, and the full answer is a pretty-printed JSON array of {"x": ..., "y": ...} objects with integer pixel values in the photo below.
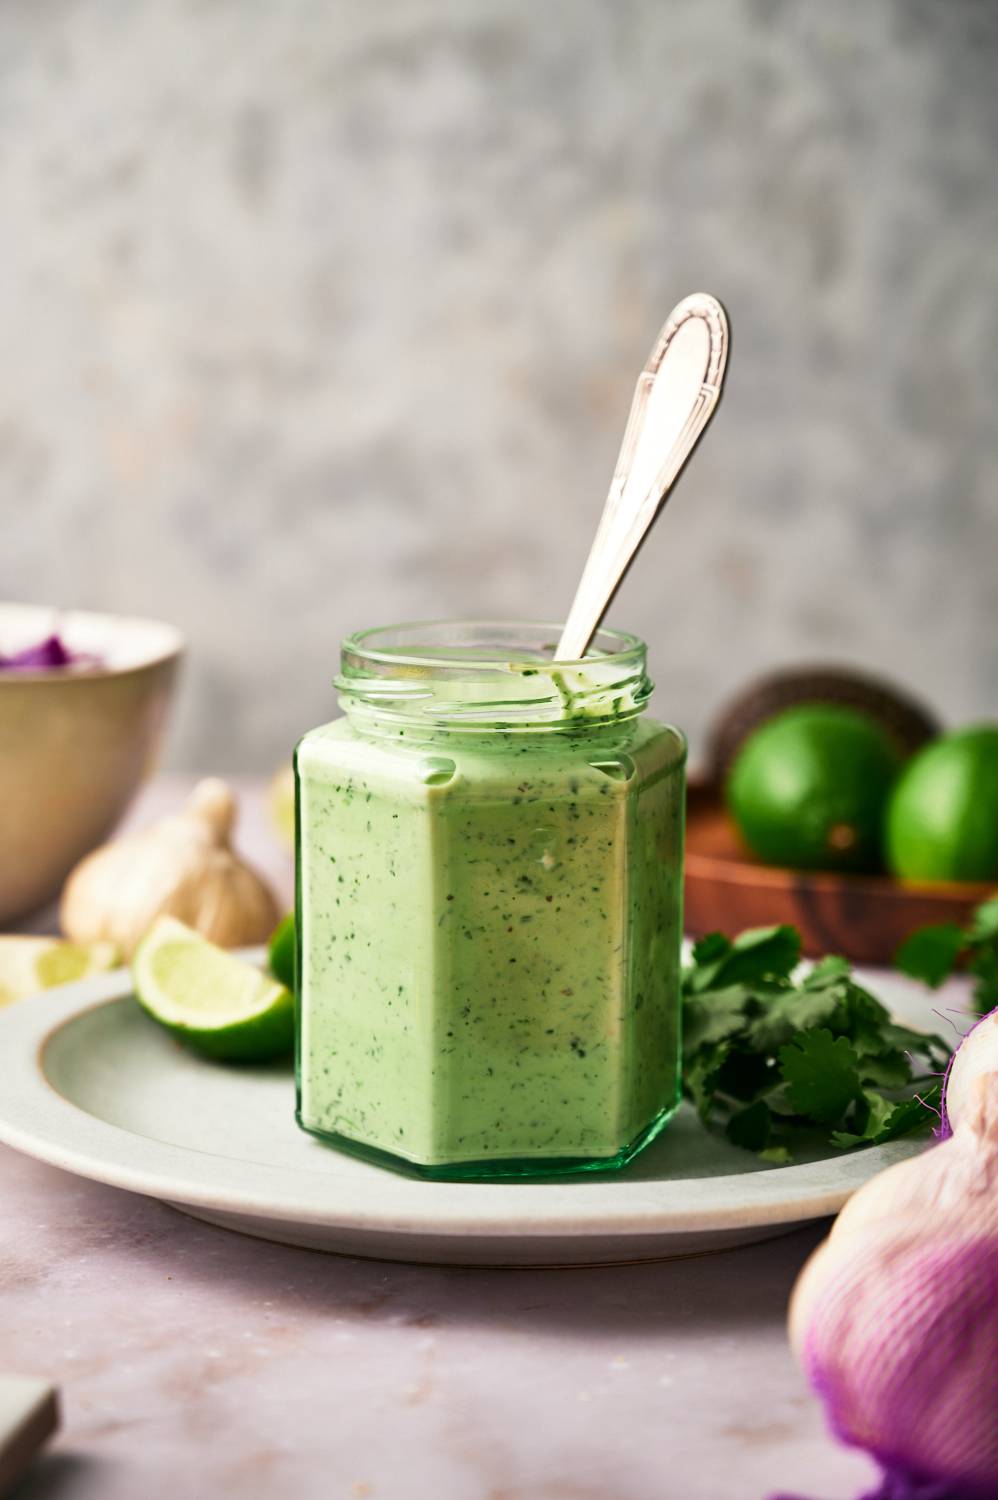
[{"x": 895, "y": 1317}]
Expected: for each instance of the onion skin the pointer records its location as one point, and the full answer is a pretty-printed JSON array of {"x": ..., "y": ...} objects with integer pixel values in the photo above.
[
  {"x": 976, "y": 1056},
  {"x": 895, "y": 1317},
  {"x": 919, "y": 1394}
]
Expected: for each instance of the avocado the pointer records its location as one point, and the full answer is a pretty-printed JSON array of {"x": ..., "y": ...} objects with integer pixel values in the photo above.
[{"x": 906, "y": 721}]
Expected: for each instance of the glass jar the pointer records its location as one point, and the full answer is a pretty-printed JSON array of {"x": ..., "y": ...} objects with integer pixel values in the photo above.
[{"x": 489, "y": 904}]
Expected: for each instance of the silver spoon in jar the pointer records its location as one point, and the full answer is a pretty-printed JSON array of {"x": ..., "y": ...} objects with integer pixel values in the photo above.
[{"x": 676, "y": 396}]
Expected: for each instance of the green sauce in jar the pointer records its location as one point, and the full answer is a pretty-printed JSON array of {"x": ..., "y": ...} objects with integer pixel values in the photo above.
[{"x": 490, "y": 867}]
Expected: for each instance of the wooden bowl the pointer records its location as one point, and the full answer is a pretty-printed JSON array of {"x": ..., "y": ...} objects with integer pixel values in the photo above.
[{"x": 865, "y": 918}]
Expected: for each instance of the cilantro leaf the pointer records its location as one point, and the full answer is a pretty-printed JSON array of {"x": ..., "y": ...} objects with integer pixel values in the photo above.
[
  {"x": 780, "y": 1156},
  {"x": 761, "y": 955},
  {"x": 930, "y": 953},
  {"x": 784, "y": 1014},
  {"x": 713, "y": 1017},
  {"x": 872, "y": 1112},
  {"x": 933, "y": 953},
  {"x": 826, "y": 971},
  {"x": 848, "y": 1140},
  {"x": 764, "y": 953},
  {"x": 984, "y": 967},
  {"x": 890, "y": 1069},
  {"x": 745, "y": 1075},
  {"x": 783, "y": 1063},
  {"x": 919, "y": 1043},
  {"x": 821, "y": 1073},
  {"x": 778, "y": 1099},
  {"x": 862, "y": 1019},
  {"x": 751, "y": 1127},
  {"x": 912, "y": 1114},
  {"x": 984, "y": 928},
  {"x": 710, "y": 948},
  {"x": 878, "y": 1128},
  {"x": 700, "y": 1075}
]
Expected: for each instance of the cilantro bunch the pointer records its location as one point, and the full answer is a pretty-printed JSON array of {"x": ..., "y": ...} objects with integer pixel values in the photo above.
[
  {"x": 932, "y": 954},
  {"x": 784, "y": 1064}
]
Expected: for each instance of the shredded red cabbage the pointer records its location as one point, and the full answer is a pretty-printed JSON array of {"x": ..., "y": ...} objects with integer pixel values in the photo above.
[{"x": 46, "y": 655}]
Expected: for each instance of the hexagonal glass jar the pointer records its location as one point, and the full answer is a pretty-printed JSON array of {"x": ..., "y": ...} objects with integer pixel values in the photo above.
[{"x": 489, "y": 904}]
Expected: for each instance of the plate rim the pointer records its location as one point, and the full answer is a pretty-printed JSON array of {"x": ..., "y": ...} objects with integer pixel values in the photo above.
[{"x": 41, "y": 1122}]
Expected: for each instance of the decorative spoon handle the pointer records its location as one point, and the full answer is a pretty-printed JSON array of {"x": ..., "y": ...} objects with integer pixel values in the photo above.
[{"x": 676, "y": 396}]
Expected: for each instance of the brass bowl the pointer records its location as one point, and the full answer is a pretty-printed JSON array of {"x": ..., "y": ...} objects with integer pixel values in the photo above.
[{"x": 75, "y": 742}]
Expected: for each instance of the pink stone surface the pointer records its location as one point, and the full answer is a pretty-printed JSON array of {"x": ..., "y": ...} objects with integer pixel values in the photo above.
[{"x": 196, "y": 1363}]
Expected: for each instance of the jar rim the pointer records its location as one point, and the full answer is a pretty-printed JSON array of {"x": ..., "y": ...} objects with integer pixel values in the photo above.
[
  {"x": 618, "y": 645},
  {"x": 480, "y": 674}
]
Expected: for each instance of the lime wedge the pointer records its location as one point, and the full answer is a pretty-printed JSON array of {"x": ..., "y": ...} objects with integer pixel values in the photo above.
[
  {"x": 217, "y": 1003},
  {"x": 281, "y": 957},
  {"x": 30, "y": 964}
]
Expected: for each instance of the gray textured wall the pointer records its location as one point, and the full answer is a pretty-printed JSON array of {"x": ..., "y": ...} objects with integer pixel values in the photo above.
[{"x": 322, "y": 314}]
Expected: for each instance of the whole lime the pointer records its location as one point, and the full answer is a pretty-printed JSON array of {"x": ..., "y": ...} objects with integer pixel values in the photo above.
[
  {"x": 942, "y": 822},
  {"x": 809, "y": 788}
]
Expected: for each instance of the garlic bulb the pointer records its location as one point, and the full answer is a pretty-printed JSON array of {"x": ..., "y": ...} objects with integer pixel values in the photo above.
[
  {"x": 184, "y": 866},
  {"x": 895, "y": 1316}
]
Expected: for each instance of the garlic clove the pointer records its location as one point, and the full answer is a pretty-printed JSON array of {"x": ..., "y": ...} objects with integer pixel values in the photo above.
[
  {"x": 182, "y": 866},
  {"x": 213, "y": 804}
]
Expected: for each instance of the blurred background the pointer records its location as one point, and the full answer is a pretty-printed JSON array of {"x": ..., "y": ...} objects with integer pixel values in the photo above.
[{"x": 323, "y": 314}]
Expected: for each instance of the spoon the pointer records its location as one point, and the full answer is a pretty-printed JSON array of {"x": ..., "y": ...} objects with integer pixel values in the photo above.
[{"x": 675, "y": 397}]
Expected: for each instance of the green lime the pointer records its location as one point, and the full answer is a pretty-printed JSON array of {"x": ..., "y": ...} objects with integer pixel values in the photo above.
[
  {"x": 942, "y": 823},
  {"x": 809, "y": 788},
  {"x": 281, "y": 951},
  {"x": 219, "y": 1004},
  {"x": 30, "y": 964}
]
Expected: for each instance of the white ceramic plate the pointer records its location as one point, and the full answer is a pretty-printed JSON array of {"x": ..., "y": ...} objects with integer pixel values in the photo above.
[{"x": 92, "y": 1085}]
